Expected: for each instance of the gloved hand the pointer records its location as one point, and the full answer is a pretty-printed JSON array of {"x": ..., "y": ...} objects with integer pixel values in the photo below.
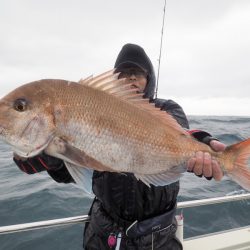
[{"x": 37, "y": 163}]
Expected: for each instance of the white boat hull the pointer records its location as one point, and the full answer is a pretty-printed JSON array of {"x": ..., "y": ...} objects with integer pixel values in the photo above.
[{"x": 227, "y": 240}]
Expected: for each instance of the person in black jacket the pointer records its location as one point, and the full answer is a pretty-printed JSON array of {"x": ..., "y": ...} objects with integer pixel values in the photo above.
[{"x": 126, "y": 213}]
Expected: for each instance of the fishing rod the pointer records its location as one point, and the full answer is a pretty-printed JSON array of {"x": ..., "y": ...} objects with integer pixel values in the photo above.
[{"x": 159, "y": 60}]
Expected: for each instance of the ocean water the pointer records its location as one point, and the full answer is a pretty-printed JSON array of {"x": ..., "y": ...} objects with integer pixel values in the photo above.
[{"x": 28, "y": 198}]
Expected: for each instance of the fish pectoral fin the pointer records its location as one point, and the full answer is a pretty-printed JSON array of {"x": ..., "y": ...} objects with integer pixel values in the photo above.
[
  {"x": 62, "y": 149},
  {"x": 82, "y": 177},
  {"x": 161, "y": 179}
]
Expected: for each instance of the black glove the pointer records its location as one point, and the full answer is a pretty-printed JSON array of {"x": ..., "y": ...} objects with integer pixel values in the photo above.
[
  {"x": 38, "y": 163},
  {"x": 54, "y": 166},
  {"x": 202, "y": 136}
]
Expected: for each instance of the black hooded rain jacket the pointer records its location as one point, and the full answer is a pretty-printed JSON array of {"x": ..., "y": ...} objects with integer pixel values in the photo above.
[
  {"x": 121, "y": 199},
  {"x": 125, "y": 209}
]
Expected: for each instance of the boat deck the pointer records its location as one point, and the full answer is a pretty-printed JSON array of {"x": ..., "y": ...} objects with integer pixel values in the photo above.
[{"x": 236, "y": 239}]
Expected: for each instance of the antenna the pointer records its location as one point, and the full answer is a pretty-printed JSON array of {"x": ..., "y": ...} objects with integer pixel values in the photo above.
[{"x": 159, "y": 60}]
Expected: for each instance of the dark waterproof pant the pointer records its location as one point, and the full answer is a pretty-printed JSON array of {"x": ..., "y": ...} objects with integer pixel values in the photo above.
[{"x": 101, "y": 225}]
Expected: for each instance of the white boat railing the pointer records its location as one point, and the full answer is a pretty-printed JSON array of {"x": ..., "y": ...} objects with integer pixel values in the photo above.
[
  {"x": 210, "y": 201},
  {"x": 85, "y": 218}
]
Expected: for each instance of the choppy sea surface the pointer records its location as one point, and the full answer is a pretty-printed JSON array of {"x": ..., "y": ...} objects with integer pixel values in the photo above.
[{"x": 25, "y": 198}]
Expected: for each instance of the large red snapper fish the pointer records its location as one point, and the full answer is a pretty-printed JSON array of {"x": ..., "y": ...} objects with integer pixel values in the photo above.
[{"x": 102, "y": 124}]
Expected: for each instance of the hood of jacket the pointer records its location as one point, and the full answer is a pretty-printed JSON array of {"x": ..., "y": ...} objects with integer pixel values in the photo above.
[{"x": 134, "y": 55}]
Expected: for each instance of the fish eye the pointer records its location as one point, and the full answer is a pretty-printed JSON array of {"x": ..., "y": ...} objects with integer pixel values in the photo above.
[{"x": 20, "y": 105}]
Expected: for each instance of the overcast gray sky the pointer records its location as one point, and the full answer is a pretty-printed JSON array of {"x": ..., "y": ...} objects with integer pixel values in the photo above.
[{"x": 205, "y": 63}]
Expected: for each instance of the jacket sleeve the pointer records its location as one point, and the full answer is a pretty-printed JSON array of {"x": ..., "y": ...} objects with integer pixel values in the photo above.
[
  {"x": 177, "y": 112},
  {"x": 173, "y": 109}
]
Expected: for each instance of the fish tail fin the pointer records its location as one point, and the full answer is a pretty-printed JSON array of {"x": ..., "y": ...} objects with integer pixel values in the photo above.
[{"x": 240, "y": 172}]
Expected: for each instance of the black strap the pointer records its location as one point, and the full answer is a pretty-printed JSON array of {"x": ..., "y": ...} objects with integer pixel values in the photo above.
[{"x": 151, "y": 225}]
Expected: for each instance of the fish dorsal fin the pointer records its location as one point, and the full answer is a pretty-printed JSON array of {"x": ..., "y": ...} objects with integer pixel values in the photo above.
[
  {"x": 100, "y": 79},
  {"x": 86, "y": 80},
  {"x": 123, "y": 89}
]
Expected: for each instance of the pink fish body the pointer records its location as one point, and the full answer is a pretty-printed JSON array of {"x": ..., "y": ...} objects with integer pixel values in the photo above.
[{"x": 100, "y": 123}]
